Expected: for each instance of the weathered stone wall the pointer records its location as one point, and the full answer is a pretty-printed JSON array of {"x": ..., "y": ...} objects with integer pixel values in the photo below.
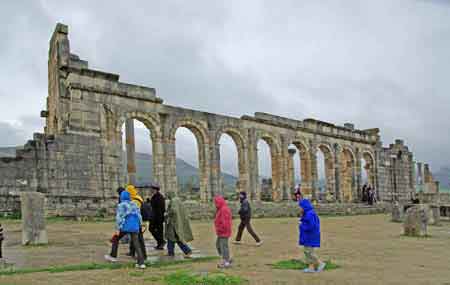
[{"x": 80, "y": 154}]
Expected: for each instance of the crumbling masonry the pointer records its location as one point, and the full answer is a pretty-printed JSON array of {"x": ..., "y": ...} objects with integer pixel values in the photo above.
[{"x": 77, "y": 162}]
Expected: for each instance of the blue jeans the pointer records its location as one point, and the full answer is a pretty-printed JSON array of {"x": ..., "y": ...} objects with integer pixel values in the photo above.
[{"x": 171, "y": 247}]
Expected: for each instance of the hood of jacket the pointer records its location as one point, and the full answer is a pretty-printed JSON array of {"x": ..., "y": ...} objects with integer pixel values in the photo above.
[
  {"x": 132, "y": 190},
  {"x": 220, "y": 202},
  {"x": 125, "y": 196},
  {"x": 305, "y": 205}
]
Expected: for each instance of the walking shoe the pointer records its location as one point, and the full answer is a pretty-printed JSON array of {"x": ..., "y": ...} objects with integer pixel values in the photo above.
[
  {"x": 259, "y": 243},
  {"x": 224, "y": 265},
  {"x": 188, "y": 255},
  {"x": 140, "y": 266},
  {"x": 110, "y": 258},
  {"x": 321, "y": 267},
  {"x": 237, "y": 242},
  {"x": 309, "y": 270}
]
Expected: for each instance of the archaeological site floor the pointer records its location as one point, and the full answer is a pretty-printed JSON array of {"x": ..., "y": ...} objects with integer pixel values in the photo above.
[{"x": 369, "y": 250}]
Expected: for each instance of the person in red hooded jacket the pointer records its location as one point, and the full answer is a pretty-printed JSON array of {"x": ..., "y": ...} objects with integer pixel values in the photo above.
[{"x": 223, "y": 225}]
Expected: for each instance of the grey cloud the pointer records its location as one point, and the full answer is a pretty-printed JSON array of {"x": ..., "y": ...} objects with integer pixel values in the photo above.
[{"x": 375, "y": 63}]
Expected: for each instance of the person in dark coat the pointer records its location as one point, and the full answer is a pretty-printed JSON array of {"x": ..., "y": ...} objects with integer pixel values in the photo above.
[
  {"x": 364, "y": 193},
  {"x": 1, "y": 241},
  {"x": 245, "y": 213},
  {"x": 158, "y": 204},
  {"x": 309, "y": 238}
]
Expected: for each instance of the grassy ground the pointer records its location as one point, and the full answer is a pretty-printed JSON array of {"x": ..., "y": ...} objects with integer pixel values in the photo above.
[{"x": 366, "y": 249}]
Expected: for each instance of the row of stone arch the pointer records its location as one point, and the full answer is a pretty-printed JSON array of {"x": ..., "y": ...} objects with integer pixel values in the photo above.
[{"x": 342, "y": 163}]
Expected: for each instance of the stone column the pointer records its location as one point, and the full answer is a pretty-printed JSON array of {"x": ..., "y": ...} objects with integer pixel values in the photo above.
[
  {"x": 314, "y": 174},
  {"x": 254, "y": 183},
  {"x": 216, "y": 177},
  {"x": 131, "y": 152},
  {"x": 337, "y": 171},
  {"x": 420, "y": 175},
  {"x": 158, "y": 162},
  {"x": 291, "y": 168},
  {"x": 358, "y": 175},
  {"x": 33, "y": 218},
  {"x": 170, "y": 173}
]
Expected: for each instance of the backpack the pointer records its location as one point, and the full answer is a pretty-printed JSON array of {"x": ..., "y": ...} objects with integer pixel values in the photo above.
[{"x": 146, "y": 212}]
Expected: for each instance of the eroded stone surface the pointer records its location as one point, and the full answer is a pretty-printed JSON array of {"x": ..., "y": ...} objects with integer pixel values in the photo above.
[{"x": 33, "y": 218}]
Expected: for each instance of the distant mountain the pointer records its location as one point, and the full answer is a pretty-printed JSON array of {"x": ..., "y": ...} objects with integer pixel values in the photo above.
[
  {"x": 186, "y": 173},
  {"x": 8, "y": 151}
]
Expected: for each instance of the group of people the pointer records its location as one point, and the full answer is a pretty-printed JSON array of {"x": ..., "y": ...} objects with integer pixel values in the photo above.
[
  {"x": 368, "y": 194},
  {"x": 132, "y": 212}
]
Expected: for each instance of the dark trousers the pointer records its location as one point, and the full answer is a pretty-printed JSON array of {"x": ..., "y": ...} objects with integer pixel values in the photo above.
[
  {"x": 157, "y": 230},
  {"x": 134, "y": 239},
  {"x": 171, "y": 247},
  {"x": 245, "y": 223},
  {"x": 141, "y": 245}
]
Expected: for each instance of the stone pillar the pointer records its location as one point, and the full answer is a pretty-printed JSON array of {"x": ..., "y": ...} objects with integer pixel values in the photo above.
[
  {"x": 131, "y": 152},
  {"x": 314, "y": 174},
  {"x": 254, "y": 183},
  {"x": 358, "y": 175},
  {"x": 291, "y": 169},
  {"x": 337, "y": 171},
  {"x": 170, "y": 173},
  {"x": 216, "y": 177},
  {"x": 158, "y": 162},
  {"x": 420, "y": 175},
  {"x": 33, "y": 218}
]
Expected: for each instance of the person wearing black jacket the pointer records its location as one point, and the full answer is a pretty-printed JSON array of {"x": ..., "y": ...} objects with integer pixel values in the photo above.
[
  {"x": 245, "y": 213},
  {"x": 158, "y": 204}
]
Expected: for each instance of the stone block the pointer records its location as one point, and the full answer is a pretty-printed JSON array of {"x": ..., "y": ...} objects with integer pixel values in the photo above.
[
  {"x": 33, "y": 218},
  {"x": 397, "y": 213},
  {"x": 416, "y": 221}
]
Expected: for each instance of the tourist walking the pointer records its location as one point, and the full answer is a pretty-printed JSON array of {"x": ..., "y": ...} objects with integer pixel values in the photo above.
[
  {"x": 223, "y": 225},
  {"x": 128, "y": 222},
  {"x": 364, "y": 194},
  {"x": 158, "y": 204},
  {"x": 137, "y": 199},
  {"x": 178, "y": 227},
  {"x": 309, "y": 229},
  {"x": 1, "y": 241},
  {"x": 245, "y": 213}
]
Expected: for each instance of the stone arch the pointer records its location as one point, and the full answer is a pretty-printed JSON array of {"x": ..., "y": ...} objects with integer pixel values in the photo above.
[
  {"x": 201, "y": 135},
  {"x": 276, "y": 162},
  {"x": 347, "y": 173},
  {"x": 369, "y": 158},
  {"x": 328, "y": 153},
  {"x": 306, "y": 174},
  {"x": 151, "y": 122},
  {"x": 242, "y": 146}
]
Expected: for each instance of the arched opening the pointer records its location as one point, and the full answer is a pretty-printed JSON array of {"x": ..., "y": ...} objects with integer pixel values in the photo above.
[
  {"x": 347, "y": 176},
  {"x": 367, "y": 170},
  {"x": 187, "y": 167},
  {"x": 325, "y": 170},
  {"x": 229, "y": 166},
  {"x": 137, "y": 155},
  {"x": 265, "y": 170},
  {"x": 302, "y": 167}
]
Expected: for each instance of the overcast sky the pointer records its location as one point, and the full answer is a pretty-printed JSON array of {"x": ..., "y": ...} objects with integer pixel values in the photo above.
[{"x": 377, "y": 63}]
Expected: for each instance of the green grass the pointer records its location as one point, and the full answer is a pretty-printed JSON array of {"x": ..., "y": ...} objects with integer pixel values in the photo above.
[
  {"x": 101, "y": 266},
  {"x": 296, "y": 264},
  {"x": 186, "y": 278}
]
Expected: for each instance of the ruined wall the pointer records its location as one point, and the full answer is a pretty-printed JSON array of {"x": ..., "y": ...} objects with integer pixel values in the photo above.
[{"x": 77, "y": 162}]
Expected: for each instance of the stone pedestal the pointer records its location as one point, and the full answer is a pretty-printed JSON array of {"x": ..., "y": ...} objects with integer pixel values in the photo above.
[
  {"x": 33, "y": 218},
  {"x": 397, "y": 213},
  {"x": 416, "y": 221}
]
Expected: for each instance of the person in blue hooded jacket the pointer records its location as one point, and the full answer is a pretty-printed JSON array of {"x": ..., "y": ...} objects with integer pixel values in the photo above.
[
  {"x": 310, "y": 236},
  {"x": 128, "y": 222}
]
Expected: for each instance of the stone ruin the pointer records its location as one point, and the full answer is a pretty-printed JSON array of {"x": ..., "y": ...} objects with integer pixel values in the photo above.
[
  {"x": 416, "y": 221},
  {"x": 77, "y": 162}
]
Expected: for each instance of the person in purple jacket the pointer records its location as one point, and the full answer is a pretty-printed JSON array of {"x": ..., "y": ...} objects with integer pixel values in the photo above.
[{"x": 310, "y": 236}]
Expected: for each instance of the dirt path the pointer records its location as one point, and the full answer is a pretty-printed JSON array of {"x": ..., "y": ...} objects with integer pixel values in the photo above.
[{"x": 369, "y": 250}]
